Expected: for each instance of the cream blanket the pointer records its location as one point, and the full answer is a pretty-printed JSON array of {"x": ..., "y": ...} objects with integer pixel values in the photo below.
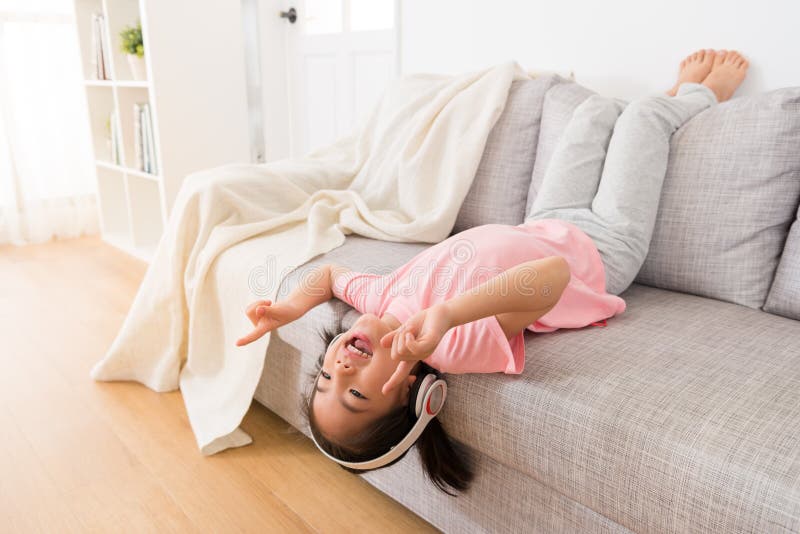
[{"x": 402, "y": 176}]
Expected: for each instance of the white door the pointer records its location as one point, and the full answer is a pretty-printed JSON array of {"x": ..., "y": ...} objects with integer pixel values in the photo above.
[{"x": 340, "y": 55}]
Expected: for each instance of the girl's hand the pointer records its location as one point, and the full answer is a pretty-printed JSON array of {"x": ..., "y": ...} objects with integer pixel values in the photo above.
[
  {"x": 266, "y": 317},
  {"x": 415, "y": 340}
]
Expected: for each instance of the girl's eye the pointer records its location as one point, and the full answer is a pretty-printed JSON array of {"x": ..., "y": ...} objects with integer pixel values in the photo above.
[
  {"x": 326, "y": 375},
  {"x": 357, "y": 394}
]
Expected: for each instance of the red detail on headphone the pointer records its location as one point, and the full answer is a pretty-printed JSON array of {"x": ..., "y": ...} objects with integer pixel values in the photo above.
[
  {"x": 428, "y": 405},
  {"x": 600, "y": 323}
]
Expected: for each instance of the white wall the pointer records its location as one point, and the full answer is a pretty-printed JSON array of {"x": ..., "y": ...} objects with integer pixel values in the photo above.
[{"x": 621, "y": 48}]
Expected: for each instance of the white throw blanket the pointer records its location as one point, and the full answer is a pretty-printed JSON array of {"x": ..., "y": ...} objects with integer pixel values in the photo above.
[{"x": 401, "y": 177}]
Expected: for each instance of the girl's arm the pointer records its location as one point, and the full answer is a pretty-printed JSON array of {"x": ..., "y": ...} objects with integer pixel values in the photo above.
[
  {"x": 517, "y": 296},
  {"x": 314, "y": 289},
  {"x": 525, "y": 288}
]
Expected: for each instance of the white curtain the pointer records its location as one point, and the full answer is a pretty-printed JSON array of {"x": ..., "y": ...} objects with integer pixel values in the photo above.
[{"x": 47, "y": 184}]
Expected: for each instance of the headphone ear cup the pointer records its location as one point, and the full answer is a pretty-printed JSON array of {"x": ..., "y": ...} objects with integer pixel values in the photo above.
[{"x": 417, "y": 395}]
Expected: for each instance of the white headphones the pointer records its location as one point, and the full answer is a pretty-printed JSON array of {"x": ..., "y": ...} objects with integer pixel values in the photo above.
[{"x": 426, "y": 398}]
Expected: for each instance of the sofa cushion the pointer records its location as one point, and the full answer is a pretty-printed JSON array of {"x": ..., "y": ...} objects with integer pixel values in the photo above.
[
  {"x": 559, "y": 103},
  {"x": 784, "y": 295},
  {"x": 681, "y": 403},
  {"x": 499, "y": 191},
  {"x": 730, "y": 193}
]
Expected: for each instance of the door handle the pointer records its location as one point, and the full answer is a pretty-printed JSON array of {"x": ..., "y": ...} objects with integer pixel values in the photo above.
[{"x": 291, "y": 15}]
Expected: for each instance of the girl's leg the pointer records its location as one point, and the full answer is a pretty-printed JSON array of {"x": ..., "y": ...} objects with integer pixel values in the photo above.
[
  {"x": 573, "y": 173},
  {"x": 627, "y": 198}
]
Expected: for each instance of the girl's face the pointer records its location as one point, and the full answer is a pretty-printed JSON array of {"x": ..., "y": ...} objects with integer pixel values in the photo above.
[{"x": 348, "y": 389}]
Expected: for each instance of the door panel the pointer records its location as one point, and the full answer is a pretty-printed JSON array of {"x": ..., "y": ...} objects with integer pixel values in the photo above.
[
  {"x": 340, "y": 56},
  {"x": 320, "y": 98}
]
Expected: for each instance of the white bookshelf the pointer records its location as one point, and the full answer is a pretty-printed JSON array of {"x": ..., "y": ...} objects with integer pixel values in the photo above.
[{"x": 196, "y": 90}]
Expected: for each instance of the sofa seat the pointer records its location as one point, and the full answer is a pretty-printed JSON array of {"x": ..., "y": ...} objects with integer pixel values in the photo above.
[{"x": 682, "y": 414}]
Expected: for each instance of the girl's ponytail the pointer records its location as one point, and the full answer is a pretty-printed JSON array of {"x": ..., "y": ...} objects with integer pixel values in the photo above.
[{"x": 446, "y": 463}]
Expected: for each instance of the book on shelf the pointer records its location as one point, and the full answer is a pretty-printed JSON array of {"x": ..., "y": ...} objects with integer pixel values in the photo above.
[
  {"x": 100, "y": 56},
  {"x": 96, "y": 60},
  {"x": 151, "y": 143},
  {"x": 137, "y": 137},
  {"x": 143, "y": 140}
]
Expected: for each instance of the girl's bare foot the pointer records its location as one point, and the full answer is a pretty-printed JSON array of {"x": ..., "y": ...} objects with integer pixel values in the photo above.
[
  {"x": 727, "y": 74},
  {"x": 694, "y": 69}
]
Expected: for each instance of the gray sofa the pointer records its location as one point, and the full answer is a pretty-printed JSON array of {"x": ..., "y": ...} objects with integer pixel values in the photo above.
[{"x": 683, "y": 413}]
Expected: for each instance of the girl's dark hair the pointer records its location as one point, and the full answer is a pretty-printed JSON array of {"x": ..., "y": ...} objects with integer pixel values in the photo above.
[{"x": 446, "y": 463}]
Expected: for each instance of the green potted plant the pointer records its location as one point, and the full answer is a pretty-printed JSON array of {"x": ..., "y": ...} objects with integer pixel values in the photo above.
[{"x": 133, "y": 46}]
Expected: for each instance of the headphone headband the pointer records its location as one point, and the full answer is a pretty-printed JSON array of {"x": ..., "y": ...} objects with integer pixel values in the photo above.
[
  {"x": 428, "y": 403},
  {"x": 432, "y": 407}
]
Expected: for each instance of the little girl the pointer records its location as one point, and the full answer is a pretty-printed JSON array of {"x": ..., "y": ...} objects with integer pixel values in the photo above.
[{"x": 463, "y": 305}]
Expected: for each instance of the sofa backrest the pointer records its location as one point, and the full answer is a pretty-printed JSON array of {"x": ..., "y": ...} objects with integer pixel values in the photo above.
[
  {"x": 784, "y": 295},
  {"x": 730, "y": 194},
  {"x": 499, "y": 190}
]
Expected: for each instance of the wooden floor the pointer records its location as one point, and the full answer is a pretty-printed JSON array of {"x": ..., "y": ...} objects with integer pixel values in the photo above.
[{"x": 78, "y": 455}]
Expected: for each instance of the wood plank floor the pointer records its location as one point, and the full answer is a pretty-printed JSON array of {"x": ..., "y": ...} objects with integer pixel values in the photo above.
[{"x": 78, "y": 455}]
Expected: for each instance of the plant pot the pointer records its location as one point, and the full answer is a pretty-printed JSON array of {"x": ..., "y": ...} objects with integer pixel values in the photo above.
[{"x": 138, "y": 70}]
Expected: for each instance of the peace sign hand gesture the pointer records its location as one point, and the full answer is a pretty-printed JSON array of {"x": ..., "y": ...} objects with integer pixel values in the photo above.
[
  {"x": 415, "y": 340},
  {"x": 266, "y": 317}
]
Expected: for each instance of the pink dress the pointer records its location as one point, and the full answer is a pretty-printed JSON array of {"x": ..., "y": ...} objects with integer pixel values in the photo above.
[{"x": 469, "y": 258}]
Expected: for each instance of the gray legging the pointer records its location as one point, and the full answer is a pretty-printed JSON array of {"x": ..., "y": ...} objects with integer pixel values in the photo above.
[{"x": 610, "y": 185}]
